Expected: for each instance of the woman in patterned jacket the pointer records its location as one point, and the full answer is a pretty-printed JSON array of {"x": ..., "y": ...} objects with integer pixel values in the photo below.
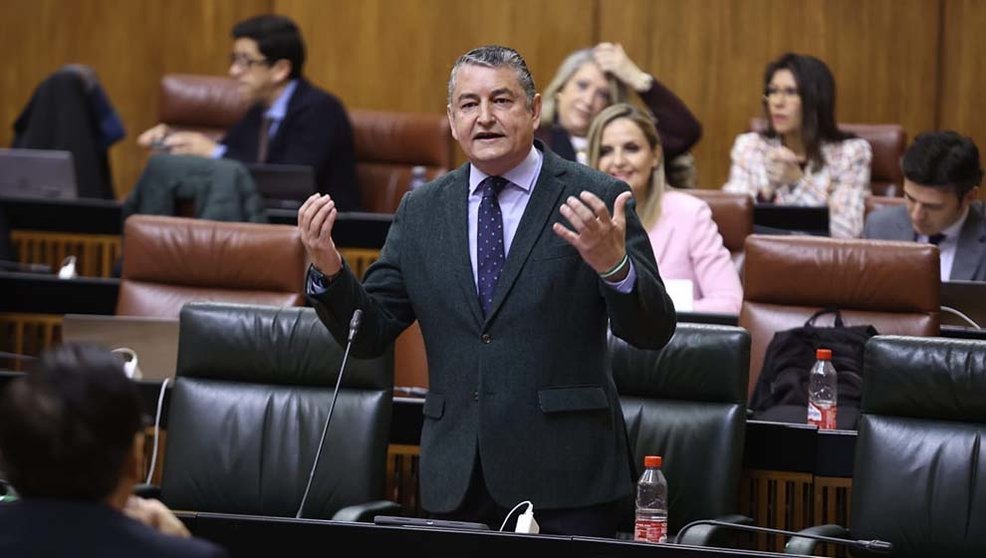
[{"x": 803, "y": 158}]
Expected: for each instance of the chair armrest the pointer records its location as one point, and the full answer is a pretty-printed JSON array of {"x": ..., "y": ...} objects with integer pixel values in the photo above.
[
  {"x": 712, "y": 535},
  {"x": 366, "y": 512},
  {"x": 806, "y": 546},
  {"x": 147, "y": 491}
]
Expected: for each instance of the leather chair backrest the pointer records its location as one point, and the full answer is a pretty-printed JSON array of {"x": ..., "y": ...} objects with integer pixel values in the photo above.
[
  {"x": 252, "y": 392},
  {"x": 733, "y": 214},
  {"x": 168, "y": 261},
  {"x": 389, "y": 145},
  {"x": 892, "y": 285},
  {"x": 888, "y": 142},
  {"x": 201, "y": 103},
  {"x": 876, "y": 203},
  {"x": 687, "y": 402},
  {"x": 920, "y": 465}
]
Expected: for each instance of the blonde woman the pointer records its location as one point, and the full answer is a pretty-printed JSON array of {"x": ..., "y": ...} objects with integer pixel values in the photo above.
[
  {"x": 591, "y": 79},
  {"x": 624, "y": 143}
]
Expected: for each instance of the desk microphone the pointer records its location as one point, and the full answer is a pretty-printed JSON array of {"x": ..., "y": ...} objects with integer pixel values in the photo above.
[
  {"x": 874, "y": 545},
  {"x": 354, "y": 324}
]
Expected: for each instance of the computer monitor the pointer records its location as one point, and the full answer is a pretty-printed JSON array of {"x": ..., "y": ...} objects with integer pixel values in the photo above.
[
  {"x": 769, "y": 218},
  {"x": 153, "y": 340},
  {"x": 967, "y": 298},
  {"x": 37, "y": 173},
  {"x": 283, "y": 186}
]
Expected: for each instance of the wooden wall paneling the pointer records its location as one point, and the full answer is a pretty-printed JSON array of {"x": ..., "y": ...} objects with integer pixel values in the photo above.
[
  {"x": 888, "y": 55},
  {"x": 396, "y": 55},
  {"x": 130, "y": 45},
  {"x": 963, "y": 76},
  {"x": 712, "y": 54}
]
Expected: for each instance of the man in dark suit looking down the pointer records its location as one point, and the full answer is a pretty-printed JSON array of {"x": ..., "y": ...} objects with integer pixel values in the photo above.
[
  {"x": 71, "y": 444},
  {"x": 942, "y": 174}
]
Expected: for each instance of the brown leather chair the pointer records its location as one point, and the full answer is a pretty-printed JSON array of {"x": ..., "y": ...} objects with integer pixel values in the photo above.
[
  {"x": 200, "y": 103},
  {"x": 388, "y": 144},
  {"x": 892, "y": 285},
  {"x": 888, "y": 142},
  {"x": 875, "y": 203},
  {"x": 733, "y": 214},
  {"x": 168, "y": 261}
]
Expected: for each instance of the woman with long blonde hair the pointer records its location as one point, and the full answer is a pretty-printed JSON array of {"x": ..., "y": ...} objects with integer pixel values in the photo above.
[
  {"x": 624, "y": 142},
  {"x": 591, "y": 79}
]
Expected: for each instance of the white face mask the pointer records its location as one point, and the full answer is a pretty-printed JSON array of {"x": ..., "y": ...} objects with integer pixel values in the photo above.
[{"x": 130, "y": 367}]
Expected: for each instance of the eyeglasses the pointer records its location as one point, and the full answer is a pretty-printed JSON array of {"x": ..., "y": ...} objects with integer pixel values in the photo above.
[
  {"x": 245, "y": 60},
  {"x": 778, "y": 92}
]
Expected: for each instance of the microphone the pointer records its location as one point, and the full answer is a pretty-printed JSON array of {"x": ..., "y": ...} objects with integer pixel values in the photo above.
[
  {"x": 873, "y": 545},
  {"x": 354, "y": 324}
]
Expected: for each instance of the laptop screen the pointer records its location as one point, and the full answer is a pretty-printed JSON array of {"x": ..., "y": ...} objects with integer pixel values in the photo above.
[
  {"x": 153, "y": 340},
  {"x": 769, "y": 218},
  {"x": 37, "y": 173},
  {"x": 283, "y": 186},
  {"x": 963, "y": 297}
]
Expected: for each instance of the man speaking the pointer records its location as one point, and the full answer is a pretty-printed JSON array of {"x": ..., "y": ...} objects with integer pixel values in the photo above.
[{"x": 515, "y": 265}]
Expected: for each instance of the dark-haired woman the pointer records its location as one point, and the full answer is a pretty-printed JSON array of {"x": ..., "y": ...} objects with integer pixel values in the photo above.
[{"x": 802, "y": 158}]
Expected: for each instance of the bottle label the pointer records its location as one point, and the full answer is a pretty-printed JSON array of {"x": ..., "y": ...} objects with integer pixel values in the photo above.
[
  {"x": 821, "y": 415},
  {"x": 651, "y": 530}
]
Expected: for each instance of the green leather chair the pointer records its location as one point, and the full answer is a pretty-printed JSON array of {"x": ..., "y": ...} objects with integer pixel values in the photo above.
[
  {"x": 920, "y": 464},
  {"x": 252, "y": 391},
  {"x": 687, "y": 403}
]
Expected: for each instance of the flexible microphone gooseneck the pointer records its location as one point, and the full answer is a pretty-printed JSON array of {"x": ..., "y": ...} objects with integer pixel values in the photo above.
[
  {"x": 354, "y": 324},
  {"x": 874, "y": 545}
]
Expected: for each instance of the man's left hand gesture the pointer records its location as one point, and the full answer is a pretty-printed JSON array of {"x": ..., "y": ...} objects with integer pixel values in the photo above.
[{"x": 599, "y": 237}]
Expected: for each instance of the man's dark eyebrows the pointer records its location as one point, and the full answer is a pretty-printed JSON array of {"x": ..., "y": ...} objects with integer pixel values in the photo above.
[
  {"x": 468, "y": 96},
  {"x": 503, "y": 91}
]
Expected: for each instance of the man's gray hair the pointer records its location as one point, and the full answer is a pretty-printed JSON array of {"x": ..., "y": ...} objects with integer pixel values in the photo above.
[{"x": 496, "y": 56}]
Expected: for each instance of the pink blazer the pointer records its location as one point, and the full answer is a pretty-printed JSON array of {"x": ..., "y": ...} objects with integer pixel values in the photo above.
[{"x": 687, "y": 245}]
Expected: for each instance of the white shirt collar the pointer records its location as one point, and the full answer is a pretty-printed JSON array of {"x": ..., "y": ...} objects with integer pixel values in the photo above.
[{"x": 522, "y": 176}]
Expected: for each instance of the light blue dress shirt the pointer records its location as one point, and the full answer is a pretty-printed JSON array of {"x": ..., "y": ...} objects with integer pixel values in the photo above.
[{"x": 275, "y": 113}]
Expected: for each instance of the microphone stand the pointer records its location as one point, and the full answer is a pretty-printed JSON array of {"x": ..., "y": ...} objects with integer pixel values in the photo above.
[
  {"x": 873, "y": 545},
  {"x": 354, "y": 324}
]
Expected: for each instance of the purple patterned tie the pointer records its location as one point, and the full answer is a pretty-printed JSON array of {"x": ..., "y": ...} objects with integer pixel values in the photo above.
[{"x": 489, "y": 240}]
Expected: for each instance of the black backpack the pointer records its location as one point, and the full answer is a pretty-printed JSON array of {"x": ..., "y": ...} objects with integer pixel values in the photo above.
[{"x": 791, "y": 354}]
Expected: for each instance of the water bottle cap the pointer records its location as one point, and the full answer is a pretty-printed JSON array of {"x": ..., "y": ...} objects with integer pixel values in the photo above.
[
  {"x": 823, "y": 354},
  {"x": 652, "y": 461}
]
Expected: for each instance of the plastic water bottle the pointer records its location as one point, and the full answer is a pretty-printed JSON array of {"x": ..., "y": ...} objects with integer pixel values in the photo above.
[
  {"x": 652, "y": 503},
  {"x": 823, "y": 391},
  {"x": 419, "y": 175}
]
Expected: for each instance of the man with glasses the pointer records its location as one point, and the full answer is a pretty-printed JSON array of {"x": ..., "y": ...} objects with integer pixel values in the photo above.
[{"x": 291, "y": 121}]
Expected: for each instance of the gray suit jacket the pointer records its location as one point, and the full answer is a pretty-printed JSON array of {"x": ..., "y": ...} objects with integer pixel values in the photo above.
[
  {"x": 893, "y": 223},
  {"x": 527, "y": 389}
]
